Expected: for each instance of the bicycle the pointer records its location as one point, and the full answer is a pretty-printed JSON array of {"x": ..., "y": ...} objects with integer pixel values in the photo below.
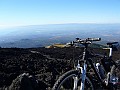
[{"x": 80, "y": 77}]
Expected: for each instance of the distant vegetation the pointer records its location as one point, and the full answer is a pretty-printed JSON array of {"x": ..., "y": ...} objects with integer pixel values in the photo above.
[{"x": 93, "y": 45}]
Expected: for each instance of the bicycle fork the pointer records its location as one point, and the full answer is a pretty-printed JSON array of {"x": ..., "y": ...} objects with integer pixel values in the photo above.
[
  {"x": 83, "y": 76},
  {"x": 76, "y": 77}
]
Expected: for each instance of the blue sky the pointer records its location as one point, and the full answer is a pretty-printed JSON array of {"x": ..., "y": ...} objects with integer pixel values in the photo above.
[{"x": 37, "y": 12}]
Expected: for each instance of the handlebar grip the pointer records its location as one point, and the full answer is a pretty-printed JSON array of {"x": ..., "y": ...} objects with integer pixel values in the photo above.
[{"x": 94, "y": 39}]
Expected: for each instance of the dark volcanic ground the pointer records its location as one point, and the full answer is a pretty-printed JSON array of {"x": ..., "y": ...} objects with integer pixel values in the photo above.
[{"x": 46, "y": 65}]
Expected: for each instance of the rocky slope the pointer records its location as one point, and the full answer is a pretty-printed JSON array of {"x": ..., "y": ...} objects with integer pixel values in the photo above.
[{"x": 36, "y": 67}]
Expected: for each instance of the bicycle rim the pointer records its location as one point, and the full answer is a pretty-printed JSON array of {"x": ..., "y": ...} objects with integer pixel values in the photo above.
[
  {"x": 68, "y": 83},
  {"x": 88, "y": 84}
]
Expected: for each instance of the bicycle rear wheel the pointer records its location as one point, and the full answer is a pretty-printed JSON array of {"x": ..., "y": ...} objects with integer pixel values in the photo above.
[
  {"x": 115, "y": 76},
  {"x": 68, "y": 82}
]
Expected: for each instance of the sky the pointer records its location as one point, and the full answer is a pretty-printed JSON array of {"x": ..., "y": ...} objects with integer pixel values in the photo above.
[{"x": 39, "y": 12}]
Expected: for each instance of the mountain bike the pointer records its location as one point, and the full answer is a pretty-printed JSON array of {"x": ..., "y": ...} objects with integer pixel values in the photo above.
[{"x": 80, "y": 78}]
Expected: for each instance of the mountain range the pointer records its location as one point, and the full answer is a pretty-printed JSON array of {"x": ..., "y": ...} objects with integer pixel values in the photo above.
[{"x": 42, "y": 35}]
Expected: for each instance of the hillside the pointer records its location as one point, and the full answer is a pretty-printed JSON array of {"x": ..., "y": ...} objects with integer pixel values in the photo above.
[{"x": 46, "y": 65}]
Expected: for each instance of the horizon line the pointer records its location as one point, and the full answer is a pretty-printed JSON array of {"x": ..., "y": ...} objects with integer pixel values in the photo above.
[{"x": 13, "y": 26}]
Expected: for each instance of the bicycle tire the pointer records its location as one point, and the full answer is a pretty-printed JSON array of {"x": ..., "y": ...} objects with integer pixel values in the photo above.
[
  {"x": 113, "y": 70},
  {"x": 115, "y": 67},
  {"x": 66, "y": 76},
  {"x": 114, "y": 74}
]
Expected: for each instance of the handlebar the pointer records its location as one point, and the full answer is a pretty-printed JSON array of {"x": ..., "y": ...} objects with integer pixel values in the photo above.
[
  {"x": 88, "y": 40},
  {"x": 84, "y": 41}
]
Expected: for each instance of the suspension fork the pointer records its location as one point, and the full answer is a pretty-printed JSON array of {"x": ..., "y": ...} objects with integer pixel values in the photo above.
[
  {"x": 83, "y": 76},
  {"x": 76, "y": 78},
  {"x": 83, "y": 70}
]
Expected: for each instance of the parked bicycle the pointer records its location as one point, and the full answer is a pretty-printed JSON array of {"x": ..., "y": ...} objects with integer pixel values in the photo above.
[{"x": 80, "y": 78}]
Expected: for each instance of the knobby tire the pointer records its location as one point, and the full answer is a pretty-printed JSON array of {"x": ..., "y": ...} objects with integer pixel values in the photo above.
[{"x": 68, "y": 74}]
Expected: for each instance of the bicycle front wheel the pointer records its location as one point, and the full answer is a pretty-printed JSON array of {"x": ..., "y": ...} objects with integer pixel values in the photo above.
[{"x": 71, "y": 80}]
